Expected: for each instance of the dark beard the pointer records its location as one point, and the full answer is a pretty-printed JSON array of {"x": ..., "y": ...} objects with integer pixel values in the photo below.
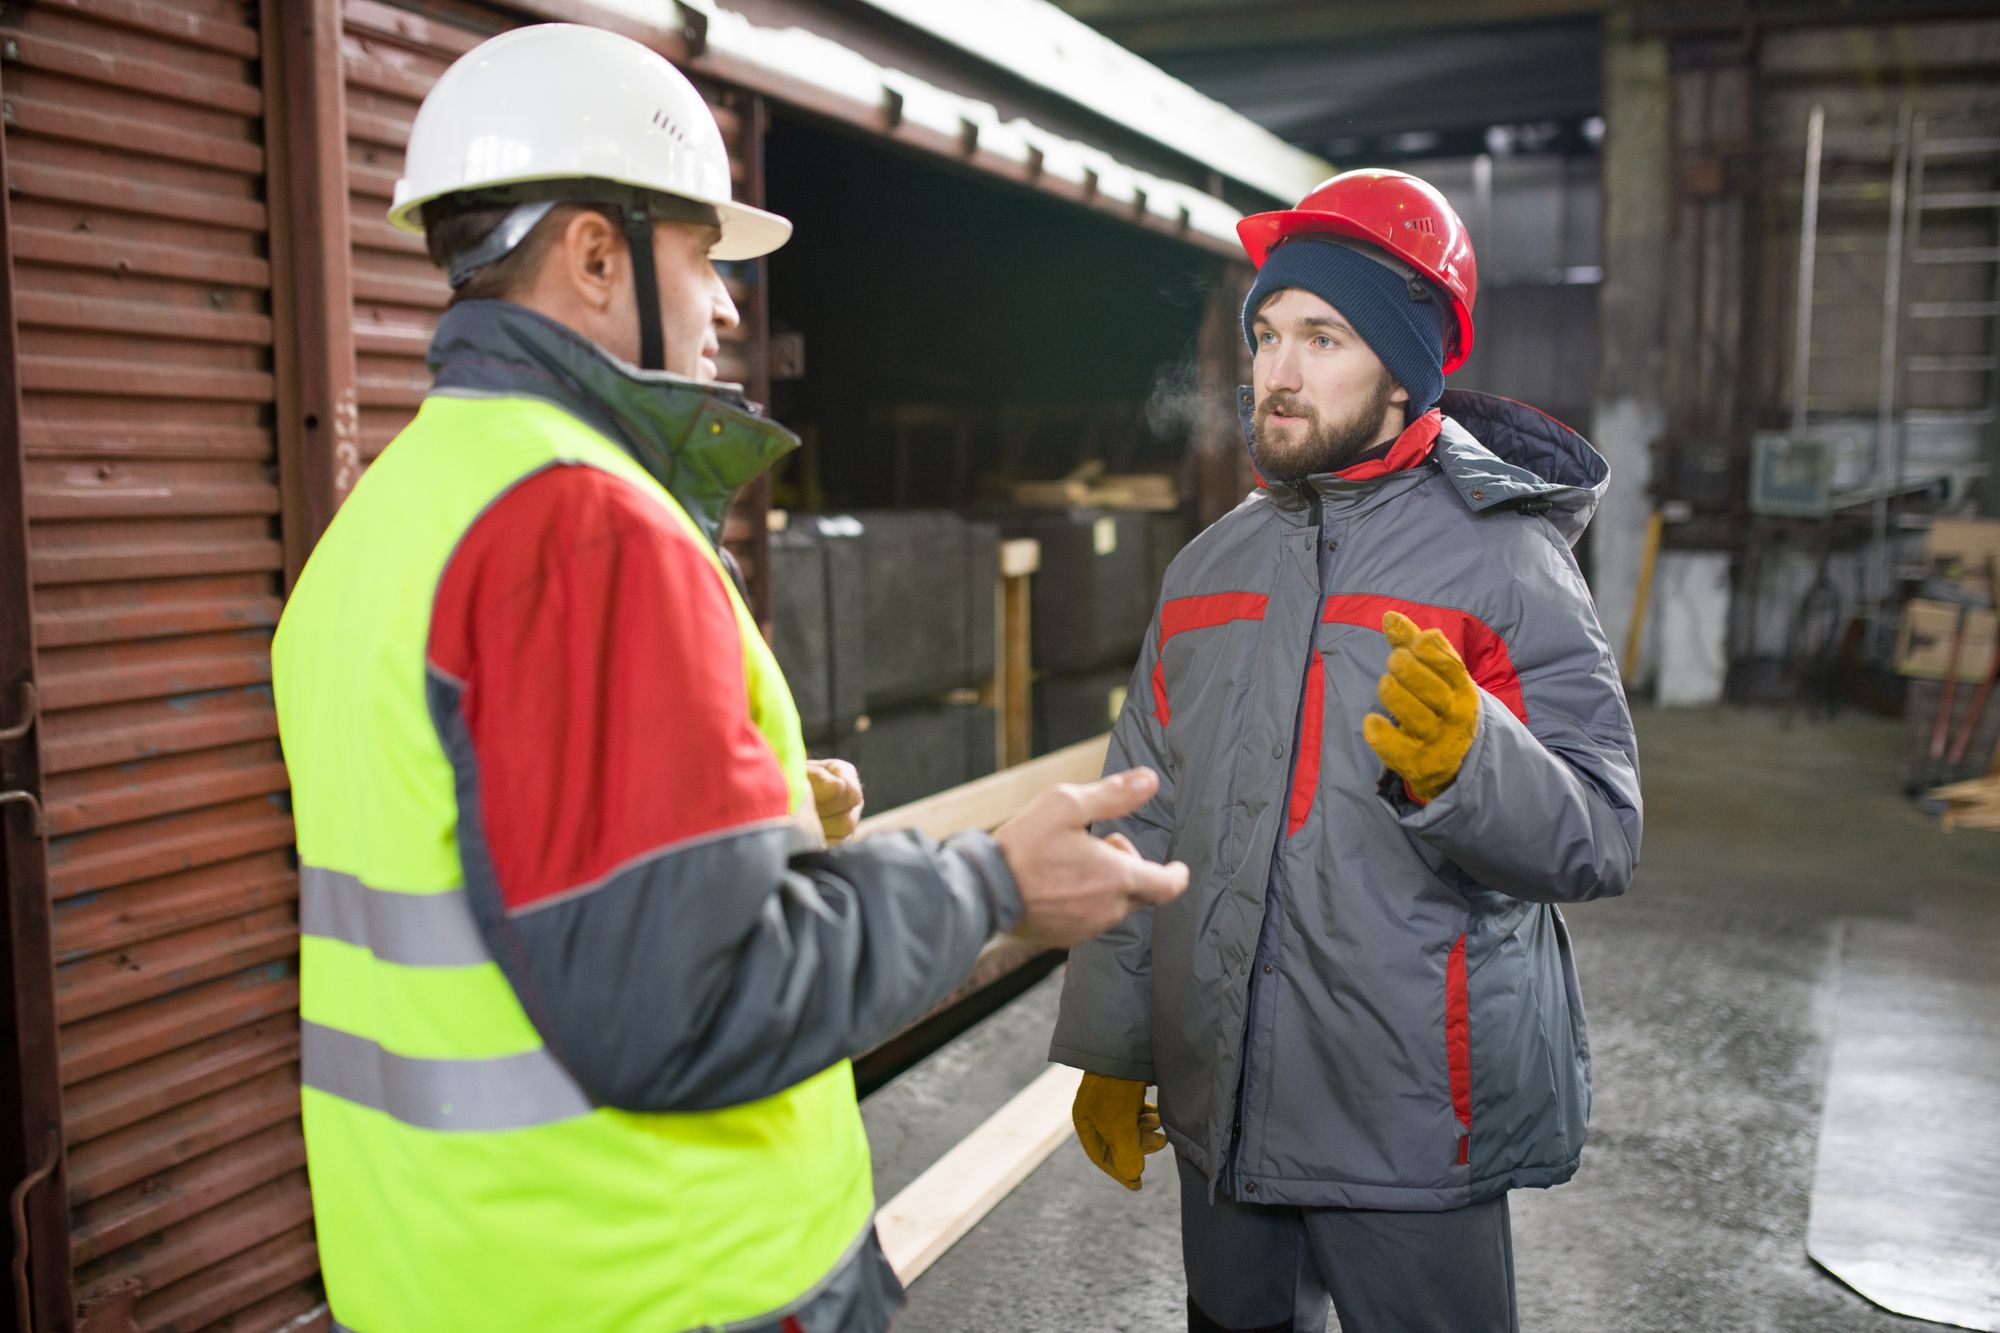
[{"x": 1328, "y": 446}]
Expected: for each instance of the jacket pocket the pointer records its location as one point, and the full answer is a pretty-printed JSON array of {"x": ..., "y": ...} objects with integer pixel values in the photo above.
[
  {"x": 1458, "y": 1046},
  {"x": 1577, "y": 1090}
]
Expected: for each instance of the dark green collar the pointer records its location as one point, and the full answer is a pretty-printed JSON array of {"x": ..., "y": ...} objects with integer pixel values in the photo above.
[{"x": 701, "y": 441}]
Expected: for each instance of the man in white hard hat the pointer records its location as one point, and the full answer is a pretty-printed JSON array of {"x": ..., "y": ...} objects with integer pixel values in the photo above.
[{"x": 579, "y": 977}]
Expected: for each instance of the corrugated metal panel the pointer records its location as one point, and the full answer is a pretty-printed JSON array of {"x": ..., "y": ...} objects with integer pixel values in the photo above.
[
  {"x": 31, "y": 1128},
  {"x": 391, "y": 57},
  {"x": 137, "y": 172}
]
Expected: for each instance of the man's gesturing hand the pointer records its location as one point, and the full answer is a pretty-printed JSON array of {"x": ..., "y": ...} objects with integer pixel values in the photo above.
[
  {"x": 837, "y": 800},
  {"x": 1073, "y": 885},
  {"x": 1436, "y": 706}
]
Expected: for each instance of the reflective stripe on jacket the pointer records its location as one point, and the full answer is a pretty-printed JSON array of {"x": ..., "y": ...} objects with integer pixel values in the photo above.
[{"x": 1361, "y": 1001}]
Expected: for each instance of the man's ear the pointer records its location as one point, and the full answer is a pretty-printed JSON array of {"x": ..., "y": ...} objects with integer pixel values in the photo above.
[
  {"x": 591, "y": 256},
  {"x": 1400, "y": 396}
]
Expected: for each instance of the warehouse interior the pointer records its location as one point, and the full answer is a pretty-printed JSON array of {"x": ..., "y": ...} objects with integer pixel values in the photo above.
[{"x": 1748, "y": 249}]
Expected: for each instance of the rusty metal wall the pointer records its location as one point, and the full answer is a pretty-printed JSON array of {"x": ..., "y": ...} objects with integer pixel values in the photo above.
[
  {"x": 390, "y": 58},
  {"x": 136, "y": 170}
]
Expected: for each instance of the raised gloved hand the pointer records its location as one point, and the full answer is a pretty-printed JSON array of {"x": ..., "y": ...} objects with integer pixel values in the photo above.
[
  {"x": 1117, "y": 1126},
  {"x": 1436, "y": 706}
]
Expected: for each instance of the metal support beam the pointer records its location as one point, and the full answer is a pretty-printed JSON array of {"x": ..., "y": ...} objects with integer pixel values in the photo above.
[
  {"x": 37, "y": 1252},
  {"x": 1631, "y": 409},
  {"x": 312, "y": 291},
  {"x": 1183, "y": 26}
]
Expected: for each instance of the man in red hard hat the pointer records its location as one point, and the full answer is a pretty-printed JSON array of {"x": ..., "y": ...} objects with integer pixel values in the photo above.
[{"x": 1391, "y": 739}]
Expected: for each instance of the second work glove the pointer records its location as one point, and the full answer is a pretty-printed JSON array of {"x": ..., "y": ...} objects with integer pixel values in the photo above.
[
  {"x": 1436, "y": 706},
  {"x": 1117, "y": 1126}
]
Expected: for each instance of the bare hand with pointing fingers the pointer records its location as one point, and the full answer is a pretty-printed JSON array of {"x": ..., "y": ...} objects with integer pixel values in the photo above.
[{"x": 1075, "y": 885}]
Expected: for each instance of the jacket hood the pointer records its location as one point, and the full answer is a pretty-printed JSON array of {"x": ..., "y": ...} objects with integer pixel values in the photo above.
[
  {"x": 1500, "y": 452},
  {"x": 701, "y": 441},
  {"x": 1497, "y": 451}
]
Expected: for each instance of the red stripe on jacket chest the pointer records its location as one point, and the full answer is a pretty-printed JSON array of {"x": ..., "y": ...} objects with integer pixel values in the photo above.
[
  {"x": 1187, "y": 613},
  {"x": 1479, "y": 644}
]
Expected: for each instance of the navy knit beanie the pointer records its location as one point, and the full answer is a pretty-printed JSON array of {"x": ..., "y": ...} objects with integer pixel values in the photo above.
[{"x": 1375, "y": 300}]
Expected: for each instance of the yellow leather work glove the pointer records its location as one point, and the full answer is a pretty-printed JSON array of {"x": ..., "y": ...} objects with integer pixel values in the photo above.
[
  {"x": 1436, "y": 706},
  {"x": 1117, "y": 1126}
]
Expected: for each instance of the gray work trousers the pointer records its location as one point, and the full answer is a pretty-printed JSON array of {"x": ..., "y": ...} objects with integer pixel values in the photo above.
[{"x": 1256, "y": 1268}]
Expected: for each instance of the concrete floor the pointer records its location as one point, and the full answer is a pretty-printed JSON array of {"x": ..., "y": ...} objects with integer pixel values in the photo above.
[{"x": 1709, "y": 990}]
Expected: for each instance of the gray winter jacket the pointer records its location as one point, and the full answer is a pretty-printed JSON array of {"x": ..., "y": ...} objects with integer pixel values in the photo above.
[{"x": 1362, "y": 1001}]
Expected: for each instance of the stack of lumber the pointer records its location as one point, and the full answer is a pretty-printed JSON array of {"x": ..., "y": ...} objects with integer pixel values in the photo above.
[{"x": 1091, "y": 487}]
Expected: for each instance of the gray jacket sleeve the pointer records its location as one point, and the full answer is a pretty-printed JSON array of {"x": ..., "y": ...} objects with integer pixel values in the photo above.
[
  {"x": 727, "y": 971},
  {"x": 1105, "y": 1025},
  {"x": 1546, "y": 810}
]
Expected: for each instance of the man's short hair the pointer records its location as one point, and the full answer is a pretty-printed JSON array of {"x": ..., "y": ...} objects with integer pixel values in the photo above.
[{"x": 451, "y": 228}]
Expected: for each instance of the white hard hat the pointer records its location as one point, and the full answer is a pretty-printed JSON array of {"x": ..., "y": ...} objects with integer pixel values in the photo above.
[{"x": 558, "y": 102}]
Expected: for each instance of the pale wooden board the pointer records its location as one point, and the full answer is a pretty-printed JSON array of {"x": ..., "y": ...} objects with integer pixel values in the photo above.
[
  {"x": 961, "y": 1187},
  {"x": 1977, "y": 789},
  {"x": 992, "y": 800},
  {"x": 1019, "y": 556},
  {"x": 1906, "y": 1192},
  {"x": 937, "y": 1208}
]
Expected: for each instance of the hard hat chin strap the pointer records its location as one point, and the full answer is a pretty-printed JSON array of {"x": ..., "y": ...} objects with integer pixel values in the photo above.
[
  {"x": 645, "y": 285},
  {"x": 637, "y": 209},
  {"x": 1420, "y": 288},
  {"x": 497, "y": 244}
]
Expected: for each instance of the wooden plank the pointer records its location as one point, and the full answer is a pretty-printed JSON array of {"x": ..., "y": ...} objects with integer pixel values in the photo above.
[
  {"x": 990, "y": 801},
  {"x": 948, "y": 1200},
  {"x": 1976, "y": 789},
  {"x": 945, "y": 1202},
  {"x": 1972, "y": 817},
  {"x": 1015, "y": 685},
  {"x": 1020, "y": 556}
]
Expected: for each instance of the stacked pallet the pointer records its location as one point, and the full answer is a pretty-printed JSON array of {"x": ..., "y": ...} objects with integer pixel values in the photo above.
[
  {"x": 883, "y": 621},
  {"x": 1093, "y": 601},
  {"x": 1091, "y": 487}
]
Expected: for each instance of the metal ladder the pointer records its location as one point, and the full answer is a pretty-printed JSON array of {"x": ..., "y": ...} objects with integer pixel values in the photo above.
[
  {"x": 1914, "y": 157},
  {"x": 1978, "y": 297}
]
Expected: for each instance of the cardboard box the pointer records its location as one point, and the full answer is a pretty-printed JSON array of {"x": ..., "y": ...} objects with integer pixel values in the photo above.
[
  {"x": 1923, "y": 649},
  {"x": 1961, "y": 550}
]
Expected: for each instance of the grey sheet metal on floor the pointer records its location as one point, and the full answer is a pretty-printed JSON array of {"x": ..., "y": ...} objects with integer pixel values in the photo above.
[{"x": 1906, "y": 1198}]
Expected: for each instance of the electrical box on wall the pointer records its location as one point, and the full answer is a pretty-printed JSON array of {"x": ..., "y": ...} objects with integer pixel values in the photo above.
[{"x": 1804, "y": 476}]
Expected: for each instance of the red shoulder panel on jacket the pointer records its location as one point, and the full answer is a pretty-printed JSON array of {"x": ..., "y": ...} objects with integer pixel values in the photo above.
[
  {"x": 1204, "y": 612},
  {"x": 601, "y": 678},
  {"x": 1479, "y": 644}
]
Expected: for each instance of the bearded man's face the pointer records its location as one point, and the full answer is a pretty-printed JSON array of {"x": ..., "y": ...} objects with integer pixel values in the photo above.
[{"x": 1323, "y": 398}]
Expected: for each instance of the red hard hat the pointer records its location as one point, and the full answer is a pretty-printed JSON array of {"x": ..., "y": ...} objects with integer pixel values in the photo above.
[{"x": 1394, "y": 212}]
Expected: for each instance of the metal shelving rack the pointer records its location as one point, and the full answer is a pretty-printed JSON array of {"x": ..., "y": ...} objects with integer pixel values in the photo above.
[{"x": 1911, "y": 156}]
